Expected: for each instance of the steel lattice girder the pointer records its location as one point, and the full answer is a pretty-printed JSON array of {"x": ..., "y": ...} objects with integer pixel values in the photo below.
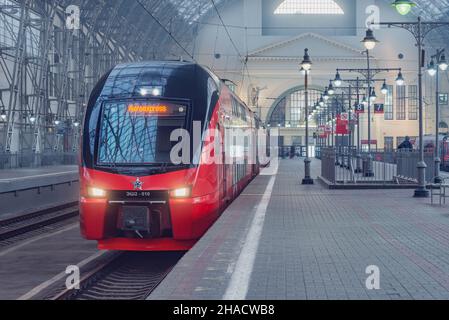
[
  {"x": 136, "y": 30},
  {"x": 112, "y": 31}
]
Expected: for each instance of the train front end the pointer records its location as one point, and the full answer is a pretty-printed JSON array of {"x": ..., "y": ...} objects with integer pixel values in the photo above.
[{"x": 137, "y": 193}]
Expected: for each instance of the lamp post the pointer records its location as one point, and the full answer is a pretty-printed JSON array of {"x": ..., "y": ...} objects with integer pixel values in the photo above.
[
  {"x": 329, "y": 125},
  {"x": 320, "y": 123},
  {"x": 369, "y": 75},
  {"x": 332, "y": 111},
  {"x": 322, "y": 106},
  {"x": 419, "y": 30},
  {"x": 307, "y": 65},
  {"x": 319, "y": 111},
  {"x": 369, "y": 42},
  {"x": 348, "y": 91},
  {"x": 367, "y": 102},
  {"x": 434, "y": 70},
  {"x": 358, "y": 154}
]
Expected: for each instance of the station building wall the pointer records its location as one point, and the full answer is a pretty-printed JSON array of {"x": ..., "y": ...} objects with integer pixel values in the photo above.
[{"x": 274, "y": 58}]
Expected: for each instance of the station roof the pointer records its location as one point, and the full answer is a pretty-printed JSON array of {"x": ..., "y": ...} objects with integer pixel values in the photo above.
[
  {"x": 143, "y": 26},
  {"x": 431, "y": 10}
]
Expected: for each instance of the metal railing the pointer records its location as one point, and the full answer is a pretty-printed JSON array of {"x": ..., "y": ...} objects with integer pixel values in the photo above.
[
  {"x": 328, "y": 167},
  {"x": 318, "y": 152},
  {"x": 407, "y": 163},
  {"x": 34, "y": 160},
  {"x": 344, "y": 165}
]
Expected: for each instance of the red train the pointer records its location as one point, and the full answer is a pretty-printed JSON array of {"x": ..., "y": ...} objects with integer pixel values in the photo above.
[
  {"x": 133, "y": 195},
  {"x": 429, "y": 147}
]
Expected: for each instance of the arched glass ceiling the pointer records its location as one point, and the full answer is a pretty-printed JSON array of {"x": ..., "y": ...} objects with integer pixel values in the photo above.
[
  {"x": 127, "y": 23},
  {"x": 147, "y": 34},
  {"x": 431, "y": 10}
]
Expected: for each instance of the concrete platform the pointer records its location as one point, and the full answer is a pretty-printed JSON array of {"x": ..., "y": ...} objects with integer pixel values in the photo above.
[
  {"x": 26, "y": 190},
  {"x": 20, "y": 179},
  {"x": 282, "y": 240}
]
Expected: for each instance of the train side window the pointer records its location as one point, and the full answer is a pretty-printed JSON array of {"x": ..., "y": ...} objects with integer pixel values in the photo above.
[
  {"x": 212, "y": 92},
  {"x": 246, "y": 152},
  {"x": 232, "y": 105},
  {"x": 242, "y": 113},
  {"x": 236, "y": 107}
]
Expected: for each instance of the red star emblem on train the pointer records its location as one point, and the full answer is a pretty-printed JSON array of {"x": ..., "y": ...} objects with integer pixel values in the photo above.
[{"x": 138, "y": 185}]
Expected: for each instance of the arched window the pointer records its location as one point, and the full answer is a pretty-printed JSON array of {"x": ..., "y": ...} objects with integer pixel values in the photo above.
[
  {"x": 444, "y": 128},
  {"x": 290, "y": 108},
  {"x": 309, "y": 7}
]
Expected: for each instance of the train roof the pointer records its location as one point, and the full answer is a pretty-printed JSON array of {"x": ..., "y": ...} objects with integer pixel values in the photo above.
[{"x": 173, "y": 77}]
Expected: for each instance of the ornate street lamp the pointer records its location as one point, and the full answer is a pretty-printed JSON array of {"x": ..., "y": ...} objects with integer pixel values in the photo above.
[
  {"x": 434, "y": 70},
  {"x": 330, "y": 89},
  {"x": 373, "y": 95},
  {"x": 431, "y": 68},
  {"x": 384, "y": 89},
  {"x": 369, "y": 41},
  {"x": 442, "y": 64},
  {"x": 403, "y": 7},
  {"x": 326, "y": 94},
  {"x": 337, "y": 81},
  {"x": 419, "y": 30},
  {"x": 400, "y": 79},
  {"x": 321, "y": 102},
  {"x": 307, "y": 65},
  {"x": 365, "y": 101}
]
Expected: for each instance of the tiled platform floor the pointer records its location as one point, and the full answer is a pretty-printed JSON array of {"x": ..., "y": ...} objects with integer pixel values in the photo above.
[{"x": 317, "y": 243}]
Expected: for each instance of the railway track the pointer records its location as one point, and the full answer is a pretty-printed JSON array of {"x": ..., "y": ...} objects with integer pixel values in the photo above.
[
  {"x": 119, "y": 276},
  {"x": 127, "y": 276},
  {"x": 23, "y": 227}
]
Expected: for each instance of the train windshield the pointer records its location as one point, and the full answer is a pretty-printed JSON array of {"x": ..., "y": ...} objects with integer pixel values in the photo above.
[{"x": 138, "y": 133}]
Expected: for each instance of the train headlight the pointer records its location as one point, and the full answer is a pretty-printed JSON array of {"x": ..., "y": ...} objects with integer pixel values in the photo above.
[
  {"x": 96, "y": 193},
  {"x": 181, "y": 193}
]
